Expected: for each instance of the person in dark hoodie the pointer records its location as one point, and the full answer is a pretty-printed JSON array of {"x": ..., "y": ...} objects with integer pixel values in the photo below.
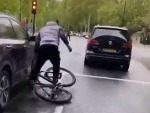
[{"x": 46, "y": 47}]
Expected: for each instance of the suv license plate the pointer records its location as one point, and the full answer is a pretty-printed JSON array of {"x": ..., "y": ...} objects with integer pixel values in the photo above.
[{"x": 110, "y": 50}]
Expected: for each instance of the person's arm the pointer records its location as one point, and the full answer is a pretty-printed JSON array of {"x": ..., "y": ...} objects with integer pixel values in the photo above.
[
  {"x": 37, "y": 43},
  {"x": 64, "y": 39}
]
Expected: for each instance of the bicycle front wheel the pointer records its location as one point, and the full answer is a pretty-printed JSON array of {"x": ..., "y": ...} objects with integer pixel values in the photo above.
[
  {"x": 59, "y": 96},
  {"x": 67, "y": 78}
]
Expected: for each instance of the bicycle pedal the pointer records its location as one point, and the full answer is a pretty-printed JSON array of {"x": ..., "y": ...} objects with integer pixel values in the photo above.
[
  {"x": 60, "y": 75},
  {"x": 53, "y": 96},
  {"x": 61, "y": 87}
]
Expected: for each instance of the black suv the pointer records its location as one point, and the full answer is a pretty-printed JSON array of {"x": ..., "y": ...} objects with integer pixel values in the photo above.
[
  {"x": 109, "y": 43},
  {"x": 16, "y": 54}
]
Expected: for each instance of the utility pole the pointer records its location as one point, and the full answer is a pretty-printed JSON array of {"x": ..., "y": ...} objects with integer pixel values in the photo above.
[
  {"x": 33, "y": 24},
  {"x": 89, "y": 21},
  {"x": 124, "y": 11},
  {"x": 68, "y": 27},
  {"x": 34, "y": 8},
  {"x": 20, "y": 10}
]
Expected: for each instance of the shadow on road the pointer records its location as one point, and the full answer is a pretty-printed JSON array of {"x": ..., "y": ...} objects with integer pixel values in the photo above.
[
  {"x": 24, "y": 100},
  {"x": 21, "y": 95},
  {"x": 105, "y": 69}
]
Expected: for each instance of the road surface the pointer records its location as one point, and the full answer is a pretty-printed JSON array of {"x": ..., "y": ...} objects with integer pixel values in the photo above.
[{"x": 103, "y": 88}]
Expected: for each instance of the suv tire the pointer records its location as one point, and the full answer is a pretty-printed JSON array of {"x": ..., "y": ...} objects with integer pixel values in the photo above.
[
  {"x": 126, "y": 66},
  {"x": 4, "y": 88},
  {"x": 87, "y": 62}
]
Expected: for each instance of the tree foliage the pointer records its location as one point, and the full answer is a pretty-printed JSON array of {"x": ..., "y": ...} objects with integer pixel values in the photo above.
[{"x": 83, "y": 14}]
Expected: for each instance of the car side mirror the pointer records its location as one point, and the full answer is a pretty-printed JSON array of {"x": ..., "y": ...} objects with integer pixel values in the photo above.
[
  {"x": 32, "y": 38},
  {"x": 88, "y": 36}
]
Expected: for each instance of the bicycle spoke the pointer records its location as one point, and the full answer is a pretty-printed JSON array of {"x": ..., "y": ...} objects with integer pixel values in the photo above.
[
  {"x": 45, "y": 91},
  {"x": 66, "y": 78},
  {"x": 5, "y": 96}
]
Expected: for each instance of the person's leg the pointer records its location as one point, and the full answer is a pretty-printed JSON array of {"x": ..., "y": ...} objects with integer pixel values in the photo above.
[{"x": 55, "y": 60}]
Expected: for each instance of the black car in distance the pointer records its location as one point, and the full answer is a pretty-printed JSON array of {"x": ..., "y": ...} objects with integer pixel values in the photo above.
[{"x": 109, "y": 43}]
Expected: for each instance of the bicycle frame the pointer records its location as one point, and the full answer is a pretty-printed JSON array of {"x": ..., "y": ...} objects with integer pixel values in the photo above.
[{"x": 49, "y": 79}]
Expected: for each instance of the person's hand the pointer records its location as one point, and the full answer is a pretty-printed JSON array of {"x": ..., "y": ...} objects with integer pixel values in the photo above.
[{"x": 69, "y": 48}]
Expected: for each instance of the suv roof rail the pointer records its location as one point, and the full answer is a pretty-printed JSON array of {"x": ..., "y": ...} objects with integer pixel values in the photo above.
[{"x": 107, "y": 26}]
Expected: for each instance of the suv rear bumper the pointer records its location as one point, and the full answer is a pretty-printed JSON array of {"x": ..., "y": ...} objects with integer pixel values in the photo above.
[{"x": 107, "y": 58}]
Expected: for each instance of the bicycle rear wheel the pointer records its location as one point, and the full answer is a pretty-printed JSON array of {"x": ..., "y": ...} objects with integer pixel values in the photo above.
[
  {"x": 59, "y": 96},
  {"x": 65, "y": 75}
]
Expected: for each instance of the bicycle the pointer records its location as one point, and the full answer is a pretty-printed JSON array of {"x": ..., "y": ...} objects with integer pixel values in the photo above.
[{"x": 50, "y": 92}]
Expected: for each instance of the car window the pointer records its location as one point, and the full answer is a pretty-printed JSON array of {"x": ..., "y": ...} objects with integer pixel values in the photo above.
[
  {"x": 111, "y": 32},
  {"x": 6, "y": 30},
  {"x": 19, "y": 31}
]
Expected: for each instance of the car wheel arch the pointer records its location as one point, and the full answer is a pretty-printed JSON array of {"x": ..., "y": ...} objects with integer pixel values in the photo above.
[
  {"x": 7, "y": 68},
  {"x": 7, "y": 65}
]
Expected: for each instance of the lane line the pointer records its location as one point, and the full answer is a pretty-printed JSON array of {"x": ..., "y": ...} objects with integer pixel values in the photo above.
[
  {"x": 59, "y": 109},
  {"x": 115, "y": 79}
]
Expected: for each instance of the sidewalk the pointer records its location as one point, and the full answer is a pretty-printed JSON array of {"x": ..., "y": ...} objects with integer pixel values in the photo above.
[
  {"x": 140, "y": 45},
  {"x": 147, "y": 46}
]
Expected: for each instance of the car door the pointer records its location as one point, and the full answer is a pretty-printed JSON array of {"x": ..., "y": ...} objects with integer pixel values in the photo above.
[
  {"x": 25, "y": 52},
  {"x": 11, "y": 46},
  {"x": 21, "y": 47}
]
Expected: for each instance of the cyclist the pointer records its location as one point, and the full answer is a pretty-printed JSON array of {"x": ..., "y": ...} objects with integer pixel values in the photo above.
[{"x": 46, "y": 47}]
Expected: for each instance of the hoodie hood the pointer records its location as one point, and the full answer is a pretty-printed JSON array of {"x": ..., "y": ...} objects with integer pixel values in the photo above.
[{"x": 51, "y": 23}]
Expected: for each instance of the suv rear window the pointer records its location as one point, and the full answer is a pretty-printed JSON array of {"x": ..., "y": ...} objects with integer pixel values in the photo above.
[{"x": 111, "y": 32}]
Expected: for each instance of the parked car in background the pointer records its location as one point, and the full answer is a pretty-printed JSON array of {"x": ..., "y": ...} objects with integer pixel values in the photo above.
[
  {"x": 16, "y": 54},
  {"x": 111, "y": 44},
  {"x": 87, "y": 36}
]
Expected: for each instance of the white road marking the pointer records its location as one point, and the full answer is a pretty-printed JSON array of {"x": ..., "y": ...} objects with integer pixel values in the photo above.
[
  {"x": 116, "y": 79},
  {"x": 59, "y": 109}
]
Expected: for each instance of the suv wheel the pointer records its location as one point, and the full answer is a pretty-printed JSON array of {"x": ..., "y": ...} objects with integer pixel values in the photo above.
[
  {"x": 126, "y": 66},
  {"x": 4, "y": 88},
  {"x": 87, "y": 62}
]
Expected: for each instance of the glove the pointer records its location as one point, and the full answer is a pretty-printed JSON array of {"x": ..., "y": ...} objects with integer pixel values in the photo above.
[{"x": 69, "y": 48}]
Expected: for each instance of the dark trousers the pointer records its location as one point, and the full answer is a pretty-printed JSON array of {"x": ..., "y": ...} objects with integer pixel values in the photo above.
[{"x": 46, "y": 52}]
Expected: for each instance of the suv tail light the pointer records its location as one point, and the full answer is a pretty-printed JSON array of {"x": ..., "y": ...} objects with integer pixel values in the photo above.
[
  {"x": 127, "y": 45},
  {"x": 93, "y": 42}
]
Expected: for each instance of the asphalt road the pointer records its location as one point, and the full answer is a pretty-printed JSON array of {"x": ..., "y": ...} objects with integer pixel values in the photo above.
[{"x": 103, "y": 88}]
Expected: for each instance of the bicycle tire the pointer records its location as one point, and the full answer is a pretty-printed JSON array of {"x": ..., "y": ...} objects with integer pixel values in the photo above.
[
  {"x": 54, "y": 100},
  {"x": 69, "y": 72}
]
